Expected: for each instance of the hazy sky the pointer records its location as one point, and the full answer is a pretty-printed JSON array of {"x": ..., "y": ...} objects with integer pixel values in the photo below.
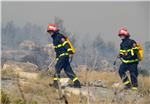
[{"x": 84, "y": 17}]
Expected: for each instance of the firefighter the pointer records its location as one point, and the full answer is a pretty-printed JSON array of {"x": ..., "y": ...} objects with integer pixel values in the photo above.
[
  {"x": 129, "y": 57},
  {"x": 63, "y": 53}
]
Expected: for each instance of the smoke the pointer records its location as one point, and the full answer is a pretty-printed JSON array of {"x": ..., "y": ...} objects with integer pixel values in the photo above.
[
  {"x": 13, "y": 35},
  {"x": 91, "y": 50}
]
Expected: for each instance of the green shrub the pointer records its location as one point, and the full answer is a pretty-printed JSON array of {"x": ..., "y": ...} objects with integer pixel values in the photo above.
[
  {"x": 5, "y": 99},
  {"x": 20, "y": 101},
  {"x": 144, "y": 72}
]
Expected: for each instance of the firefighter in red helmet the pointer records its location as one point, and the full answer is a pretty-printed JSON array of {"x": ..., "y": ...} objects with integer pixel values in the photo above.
[
  {"x": 129, "y": 57},
  {"x": 63, "y": 53}
]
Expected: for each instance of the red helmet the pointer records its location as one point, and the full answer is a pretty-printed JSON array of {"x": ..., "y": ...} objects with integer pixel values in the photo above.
[
  {"x": 52, "y": 27},
  {"x": 123, "y": 32}
]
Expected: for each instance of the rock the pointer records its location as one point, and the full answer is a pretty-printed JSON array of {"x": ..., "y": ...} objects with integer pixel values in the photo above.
[
  {"x": 28, "y": 75},
  {"x": 28, "y": 44},
  {"x": 116, "y": 85},
  {"x": 20, "y": 66},
  {"x": 21, "y": 69},
  {"x": 64, "y": 82},
  {"x": 11, "y": 65},
  {"x": 77, "y": 91},
  {"x": 97, "y": 83},
  {"x": 92, "y": 92}
]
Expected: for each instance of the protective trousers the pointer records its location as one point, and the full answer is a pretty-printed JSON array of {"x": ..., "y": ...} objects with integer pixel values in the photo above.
[
  {"x": 63, "y": 63},
  {"x": 132, "y": 68}
]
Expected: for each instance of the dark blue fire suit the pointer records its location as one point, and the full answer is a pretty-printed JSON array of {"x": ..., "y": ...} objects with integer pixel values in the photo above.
[
  {"x": 62, "y": 49},
  {"x": 129, "y": 58}
]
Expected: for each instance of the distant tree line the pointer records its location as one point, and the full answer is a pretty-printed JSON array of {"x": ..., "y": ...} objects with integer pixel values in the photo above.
[
  {"x": 13, "y": 35},
  {"x": 93, "y": 52}
]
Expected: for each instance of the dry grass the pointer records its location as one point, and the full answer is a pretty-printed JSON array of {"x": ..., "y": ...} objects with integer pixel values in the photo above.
[
  {"x": 5, "y": 99},
  {"x": 144, "y": 85},
  {"x": 37, "y": 91},
  {"x": 9, "y": 72},
  {"x": 51, "y": 95},
  {"x": 108, "y": 77},
  {"x": 112, "y": 77}
]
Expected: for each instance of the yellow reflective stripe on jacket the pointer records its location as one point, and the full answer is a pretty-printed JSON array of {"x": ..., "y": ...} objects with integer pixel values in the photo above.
[
  {"x": 69, "y": 49},
  {"x": 75, "y": 79},
  {"x": 128, "y": 50},
  {"x": 61, "y": 45},
  {"x": 127, "y": 82},
  {"x": 65, "y": 42},
  {"x": 129, "y": 61},
  {"x": 135, "y": 48},
  {"x": 63, "y": 54},
  {"x": 132, "y": 53},
  {"x": 123, "y": 50}
]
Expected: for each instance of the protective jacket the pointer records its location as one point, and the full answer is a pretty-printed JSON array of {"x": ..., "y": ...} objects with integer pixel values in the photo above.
[
  {"x": 129, "y": 51},
  {"x": 61, "y": 46}
]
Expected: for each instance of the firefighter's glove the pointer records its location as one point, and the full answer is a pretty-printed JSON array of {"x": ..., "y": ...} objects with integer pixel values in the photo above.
[{"x": 70, "y": 55}]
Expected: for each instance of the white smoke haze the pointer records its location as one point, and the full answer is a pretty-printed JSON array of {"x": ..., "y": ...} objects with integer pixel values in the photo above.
[{"x": 91, "y": 25}]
